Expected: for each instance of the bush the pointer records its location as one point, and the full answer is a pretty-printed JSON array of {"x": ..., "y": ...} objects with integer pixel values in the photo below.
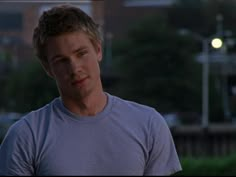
[{"x": 217, "y": 166}]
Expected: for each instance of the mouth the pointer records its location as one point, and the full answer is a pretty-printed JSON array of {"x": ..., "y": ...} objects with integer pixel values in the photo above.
[{"x": 79, "y": 82}]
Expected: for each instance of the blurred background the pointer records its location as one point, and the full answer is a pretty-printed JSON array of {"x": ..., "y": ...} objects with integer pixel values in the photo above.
[{"x": 175, "y": 55}]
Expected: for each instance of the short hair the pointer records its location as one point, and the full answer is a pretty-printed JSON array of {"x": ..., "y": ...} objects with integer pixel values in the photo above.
[{"x": 60, "y": 20}]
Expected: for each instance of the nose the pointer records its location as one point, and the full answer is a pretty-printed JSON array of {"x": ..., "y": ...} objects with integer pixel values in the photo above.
[{"x": 74, "y": 66}]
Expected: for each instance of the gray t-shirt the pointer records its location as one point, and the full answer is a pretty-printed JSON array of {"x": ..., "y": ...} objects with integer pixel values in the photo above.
[{"x": 126, "y": 138}]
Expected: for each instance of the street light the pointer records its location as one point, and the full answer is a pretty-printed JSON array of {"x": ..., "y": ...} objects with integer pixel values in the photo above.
[{"x": 216, "y": 43}]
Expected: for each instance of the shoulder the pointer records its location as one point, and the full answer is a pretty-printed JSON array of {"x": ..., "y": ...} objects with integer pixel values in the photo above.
[
  {"x": 131, "y": 105},
  {"x": 137, "y": 110},
  {"x": 40, "y": 114},
  {"x": 31, "y": 120}
]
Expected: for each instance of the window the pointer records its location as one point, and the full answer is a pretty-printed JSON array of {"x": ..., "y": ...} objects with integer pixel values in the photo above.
[
  {"x": 133, "y": 3},
  {"x": 83, "y": 5},
  {"x": 11, "y": 21}
]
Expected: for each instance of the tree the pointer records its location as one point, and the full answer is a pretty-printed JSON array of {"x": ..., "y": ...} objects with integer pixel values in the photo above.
[
  {"x": 157, "y": 67},
  {"x": 208, "y": 18},
  {"x": 201, "y": 16},
  {"x": 28, "y": 88}
]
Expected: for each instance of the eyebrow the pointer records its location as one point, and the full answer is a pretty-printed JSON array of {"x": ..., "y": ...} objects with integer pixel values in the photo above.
[
  {"x": 79, "y": 49},
  {"x": 74, "y": 51}
]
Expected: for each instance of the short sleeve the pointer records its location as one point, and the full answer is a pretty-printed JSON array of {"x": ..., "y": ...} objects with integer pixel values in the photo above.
[
  {"x": 163, "y": 158},
  {"x": 16, "y": 154}
]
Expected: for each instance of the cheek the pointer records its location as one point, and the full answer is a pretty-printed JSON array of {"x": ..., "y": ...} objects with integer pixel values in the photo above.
[
  {"x": 97, "y": 69},
  {"x": 59, "y": 72},
  {"x": 95, "y": 66}
]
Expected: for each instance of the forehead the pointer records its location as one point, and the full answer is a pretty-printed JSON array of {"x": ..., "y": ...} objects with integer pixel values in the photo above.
[
  {"x": 72, "y": 38},
  {"x": 66, "y": 43}
]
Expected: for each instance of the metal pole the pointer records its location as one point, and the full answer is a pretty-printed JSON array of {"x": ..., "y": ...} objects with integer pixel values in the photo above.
[
  {"x": 205, "y": 84},
  {"x": 227, "y": 112}
]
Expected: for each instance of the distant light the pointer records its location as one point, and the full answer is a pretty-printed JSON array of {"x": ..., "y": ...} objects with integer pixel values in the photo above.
[{"x": 216, "y": 43}]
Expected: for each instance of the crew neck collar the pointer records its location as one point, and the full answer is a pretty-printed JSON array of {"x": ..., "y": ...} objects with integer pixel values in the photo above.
[{"x": 98, "y": 116}]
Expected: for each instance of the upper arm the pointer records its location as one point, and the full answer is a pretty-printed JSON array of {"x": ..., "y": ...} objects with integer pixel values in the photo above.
[
  {"x": 163, "y": 158},
  {"x": 16, "y": 152}
]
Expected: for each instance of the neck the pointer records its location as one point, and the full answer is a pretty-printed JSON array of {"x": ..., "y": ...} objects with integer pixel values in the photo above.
[{"x": 87, "y": 106}]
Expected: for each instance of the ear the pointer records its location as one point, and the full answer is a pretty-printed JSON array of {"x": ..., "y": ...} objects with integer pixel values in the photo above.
[
  {"x": 47, "y": 68},
  {"x": 99, "y": 51}
]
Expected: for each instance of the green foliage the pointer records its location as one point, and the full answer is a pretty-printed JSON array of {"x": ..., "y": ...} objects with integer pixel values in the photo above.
[
  {"x": 28, "y": 88},
  {"x": 157, "y": 67},
  {"x": 217, "y": 166}
]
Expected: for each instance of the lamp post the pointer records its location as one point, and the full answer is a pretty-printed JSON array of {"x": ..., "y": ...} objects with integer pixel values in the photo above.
[
  {"x": 215, "y": 43},
  {"x": 205, "y": 42},
  {"x": 205, "y": 83},
  {"x": 205, "y": 74}
]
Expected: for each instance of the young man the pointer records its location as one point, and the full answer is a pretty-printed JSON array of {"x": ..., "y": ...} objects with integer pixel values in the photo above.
[{"x": 85, "y": 131}]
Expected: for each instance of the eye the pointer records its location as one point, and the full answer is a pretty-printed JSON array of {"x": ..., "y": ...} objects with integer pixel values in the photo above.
[
  {"x": 81, "y": 53},
  {"x": 59, "y": 60}
]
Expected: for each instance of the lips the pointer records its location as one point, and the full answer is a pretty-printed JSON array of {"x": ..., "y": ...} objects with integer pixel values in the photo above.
[{"x": 79, "y": 81}]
